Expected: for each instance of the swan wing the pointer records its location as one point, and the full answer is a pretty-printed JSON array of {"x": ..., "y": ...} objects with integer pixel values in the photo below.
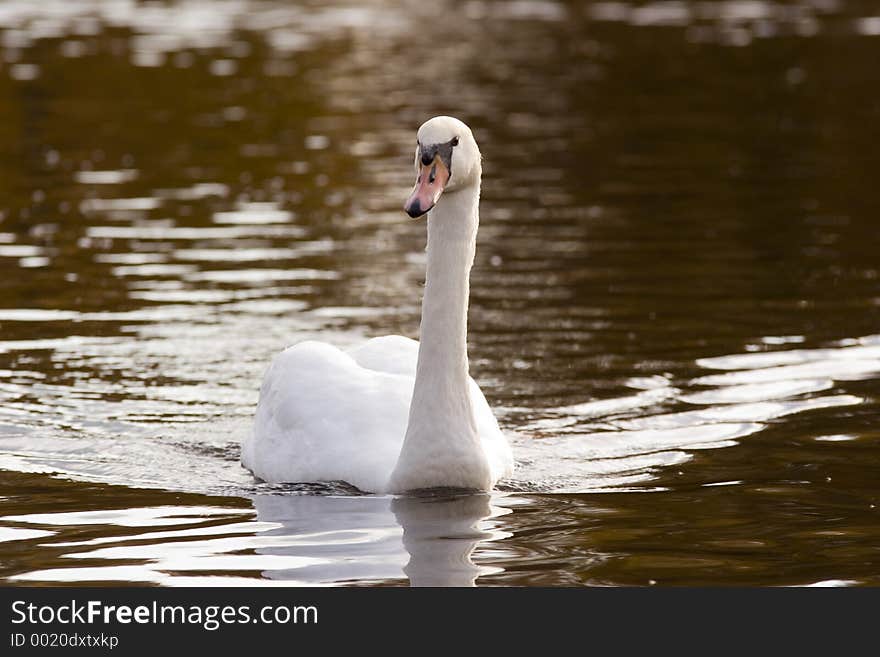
[
  {"x": 324, "y": 417},
  {"x": 495, "y": 443},
  {"x": 393, "y": 354}
]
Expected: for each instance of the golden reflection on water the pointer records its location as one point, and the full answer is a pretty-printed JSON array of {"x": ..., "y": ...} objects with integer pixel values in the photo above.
[{"x": 675, "y": 300}]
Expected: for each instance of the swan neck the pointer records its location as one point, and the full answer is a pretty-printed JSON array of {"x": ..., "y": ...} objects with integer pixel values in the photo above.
[
  {"x": 443, "y": 360},
  {"x": 442, "y": 447}
]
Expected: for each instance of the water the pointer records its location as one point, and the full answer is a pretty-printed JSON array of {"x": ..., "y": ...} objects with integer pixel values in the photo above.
[{"x": 674, "y": 307}]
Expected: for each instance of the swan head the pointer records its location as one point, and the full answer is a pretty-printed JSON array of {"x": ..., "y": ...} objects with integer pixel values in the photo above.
[{"x": 447, "y": 159}]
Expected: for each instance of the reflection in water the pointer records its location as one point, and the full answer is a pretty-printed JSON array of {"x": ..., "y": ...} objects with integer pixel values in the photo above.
[
  {"x": 440, "y": 535},
  {"x": 356, "y": 538},
  {"x": 360, "y": 537},
  {"x": 674, "y": 303},
  {"x": 314, "y": 539},
  {"x": 745, "y": 535}
]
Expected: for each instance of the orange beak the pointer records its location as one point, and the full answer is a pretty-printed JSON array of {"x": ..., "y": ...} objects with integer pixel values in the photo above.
[{"x": 430, "y": 183}]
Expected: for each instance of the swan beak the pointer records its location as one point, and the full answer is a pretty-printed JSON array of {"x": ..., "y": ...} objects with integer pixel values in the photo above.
[{"x": 430, "y": 183}]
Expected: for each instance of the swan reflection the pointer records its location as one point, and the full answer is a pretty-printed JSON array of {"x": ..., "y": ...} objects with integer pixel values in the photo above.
[
  {"x": 430, "y": 539},
  {"x": 440, "y": 534}
]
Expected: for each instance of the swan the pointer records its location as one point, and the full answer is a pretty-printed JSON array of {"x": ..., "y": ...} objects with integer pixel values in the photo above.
[{"x": 394, "y": 415}]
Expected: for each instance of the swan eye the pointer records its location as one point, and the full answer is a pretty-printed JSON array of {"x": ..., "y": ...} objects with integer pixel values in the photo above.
[
  {"x": 455, "y": 141},
  {"x": 433, "y": 175}
]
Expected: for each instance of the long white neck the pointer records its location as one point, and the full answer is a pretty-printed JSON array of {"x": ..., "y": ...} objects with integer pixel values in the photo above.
[
  {"x": 441, "y": 447},
  {"x": 441, "y": 388}
]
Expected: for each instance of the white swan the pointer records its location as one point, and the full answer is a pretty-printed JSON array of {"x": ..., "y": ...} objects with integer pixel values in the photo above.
[{"x": 394, "y": 415}]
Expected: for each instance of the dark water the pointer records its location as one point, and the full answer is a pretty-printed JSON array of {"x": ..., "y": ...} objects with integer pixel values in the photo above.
[{"x": 675, "y": 307}]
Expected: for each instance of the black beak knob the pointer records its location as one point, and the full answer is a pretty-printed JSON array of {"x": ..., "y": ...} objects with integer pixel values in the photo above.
[{"x": 414, "y": 209}]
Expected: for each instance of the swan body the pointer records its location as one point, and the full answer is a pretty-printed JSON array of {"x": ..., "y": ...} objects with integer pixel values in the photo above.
[
  {"x": 332, "y": 415},
  {"x": 393, "y": 414}
]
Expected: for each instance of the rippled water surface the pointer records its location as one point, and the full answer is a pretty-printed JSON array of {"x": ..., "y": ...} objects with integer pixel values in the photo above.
[{"x": 675, "y": 307}]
